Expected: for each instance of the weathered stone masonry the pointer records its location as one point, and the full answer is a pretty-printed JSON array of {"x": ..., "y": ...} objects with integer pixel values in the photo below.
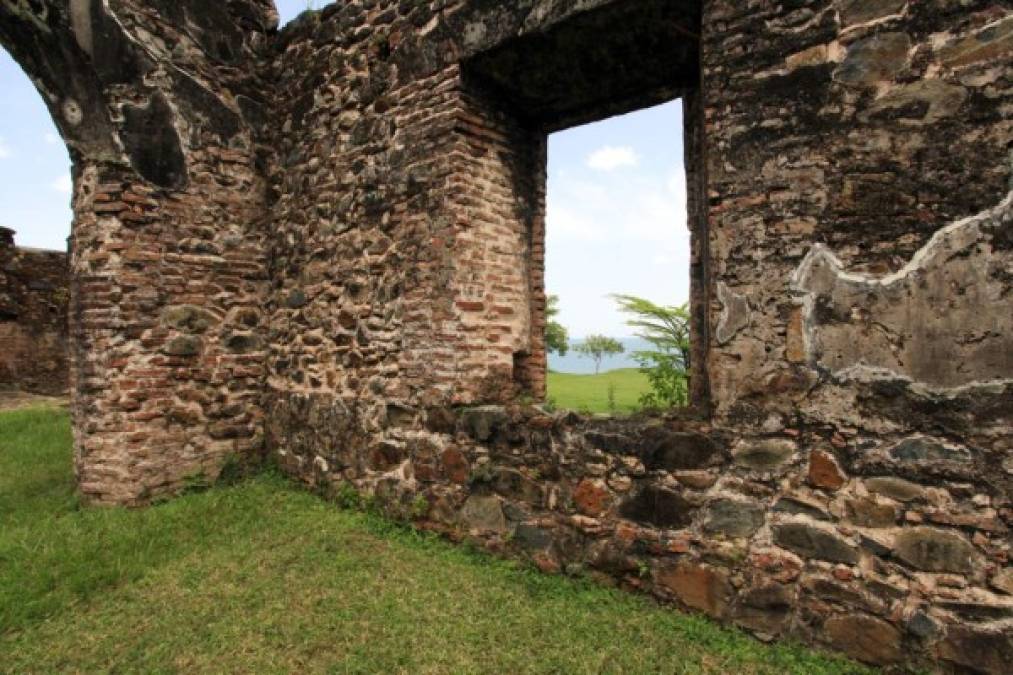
[
  {"x": 34, "y": 292},
  {"x": 327, "y": 243},
  {"x": 158, "y": 107}
]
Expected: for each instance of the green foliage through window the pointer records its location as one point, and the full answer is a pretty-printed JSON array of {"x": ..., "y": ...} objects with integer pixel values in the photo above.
[
  {"x": 667, "y": 363},
  {"x": 556, "y": 337}
]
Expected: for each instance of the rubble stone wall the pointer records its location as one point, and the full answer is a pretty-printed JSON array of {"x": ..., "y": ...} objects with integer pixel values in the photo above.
[
  {"x": 846, "y": 477},
  {"x": 327, "y": 243},
  {"x": 403, "y": 238},
  {"x": 161, "y": 116},
  {"x": 34, "y": 294}
]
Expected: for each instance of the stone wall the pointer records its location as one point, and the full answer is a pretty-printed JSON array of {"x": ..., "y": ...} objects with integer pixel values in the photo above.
[
  {"x": 397, "y": 276},
  {"x": 34, "y": 293},
  {"x": 845, "y": 477},
  {"x": 161, "y": 116},
  {"x": 327, "y": 243}
]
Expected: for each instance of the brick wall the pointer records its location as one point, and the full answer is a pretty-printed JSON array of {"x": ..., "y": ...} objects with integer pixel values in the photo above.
[{"x": 34, "y": 292}]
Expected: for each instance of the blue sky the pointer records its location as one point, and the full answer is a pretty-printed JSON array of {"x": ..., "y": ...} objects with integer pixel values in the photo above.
[
  {"x": 616, "y": 213},
  {"x": 616, "y": 217}
]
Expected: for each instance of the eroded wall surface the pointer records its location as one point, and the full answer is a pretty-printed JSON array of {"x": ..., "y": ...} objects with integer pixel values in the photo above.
[
  {"x": 848, "y": 481},
  {"x": 327, "y": 243},
  {"x": 34, "y": 294},
  {"x": 160, "y": 112}
]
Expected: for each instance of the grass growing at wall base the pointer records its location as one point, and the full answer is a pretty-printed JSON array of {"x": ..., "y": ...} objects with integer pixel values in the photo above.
[
  {"x": 264, "y": 577},
  {"x": 569, "y": 391}
]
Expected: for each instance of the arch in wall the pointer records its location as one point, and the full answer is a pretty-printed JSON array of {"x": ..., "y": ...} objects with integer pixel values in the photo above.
[
  {"x": 34, "y": 198},
  {"x": 166, "y": 265}
]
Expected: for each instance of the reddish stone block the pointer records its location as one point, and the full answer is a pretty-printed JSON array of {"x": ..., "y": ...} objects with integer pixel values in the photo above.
[
  {"x": 455, "y": 466},
  {"x": 865, "y": 638},
  {"x": 825, "y": 472},
  {"x": 592, "y": 498},
  {"x": 698, "y": 586}
]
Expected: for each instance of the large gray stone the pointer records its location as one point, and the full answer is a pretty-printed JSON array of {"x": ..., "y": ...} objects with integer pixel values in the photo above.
[
  {"x": 677, "y": 451},
  {"x": 801, "y": 507},
  {"x": 188, "y": 318},
  {"x": 926, "y": 450},
  {"x": 658, "y": 506},
  {"x": 875, "y": 59},
  {"x": 243, "y": 343},
  {"x": 184, "y": 345},
  {"x": 764, "y": 455},
  {"x": 483, "y": 513},
  {"x": 813, "y": 542},
  {"x": 532, "y": 538},
  {"x": 895, "y": 488},
  {"x": 933, "y": 550},
  {"x": 871, "y": 512},
  {"x": 296, "y": 299},
  {"x": 482, "y": 422},
  {"x": 733, "y": 517}
]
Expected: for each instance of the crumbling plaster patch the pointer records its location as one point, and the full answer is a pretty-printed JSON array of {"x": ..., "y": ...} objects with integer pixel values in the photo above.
[
  {"x": 735, "y": 314},
  {"x": 934, "y": 321}
]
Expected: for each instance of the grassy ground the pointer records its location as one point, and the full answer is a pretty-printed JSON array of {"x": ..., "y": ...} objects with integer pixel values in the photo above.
[
  {"x": 590, "y": 392},
  {"x": 264, "y": 577}
]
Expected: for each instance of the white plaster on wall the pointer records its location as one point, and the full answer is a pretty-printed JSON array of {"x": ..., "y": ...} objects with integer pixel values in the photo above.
[
  {"x": 948, "y": 255},
  {"x": 735, "y": 314}
]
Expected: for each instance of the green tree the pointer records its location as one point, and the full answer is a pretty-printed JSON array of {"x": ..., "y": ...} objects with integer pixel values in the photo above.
[
  {"x": 557, "y": 339},
  {"x": 667, "y": 363},
  {"x": 598, "y": 347}
]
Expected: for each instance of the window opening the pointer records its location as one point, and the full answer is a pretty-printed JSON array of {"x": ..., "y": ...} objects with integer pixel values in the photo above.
[{"x": 618, "y": 263}]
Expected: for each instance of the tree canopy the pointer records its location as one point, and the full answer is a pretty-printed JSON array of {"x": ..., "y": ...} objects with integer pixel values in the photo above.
[
  {"x": 597, "y": 347},
  {"x": 557, "y": 339},
  {"x": 667, "y": 329}
]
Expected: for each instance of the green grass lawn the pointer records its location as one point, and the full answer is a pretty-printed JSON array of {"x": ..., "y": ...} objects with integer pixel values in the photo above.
[
  {"x": 590, "y": 392},
  {"x": 264, "y": 577}
]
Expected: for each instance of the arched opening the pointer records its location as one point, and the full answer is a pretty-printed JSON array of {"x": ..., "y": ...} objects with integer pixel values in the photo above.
[
  {"x": 35, "y": 224},
  {"x": 35, "y": 183},
  {"x": 166, "y": 273}
]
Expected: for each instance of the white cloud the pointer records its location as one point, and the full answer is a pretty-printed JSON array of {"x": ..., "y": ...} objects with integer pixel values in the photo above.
[
  {"x": 609, "y": 158},
  {"x": 677, "y": 182},
  {"x": 5, "y": 150},
  {"x": 565, "y": 222},
  {"x": 621, "y": 207},
  {"x": 52, "y": 139},
  {"x": 63, "y": 184}
]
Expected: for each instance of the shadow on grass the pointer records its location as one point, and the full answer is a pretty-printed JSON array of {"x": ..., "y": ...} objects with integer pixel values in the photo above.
[{"x": 263, "y": 576}]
